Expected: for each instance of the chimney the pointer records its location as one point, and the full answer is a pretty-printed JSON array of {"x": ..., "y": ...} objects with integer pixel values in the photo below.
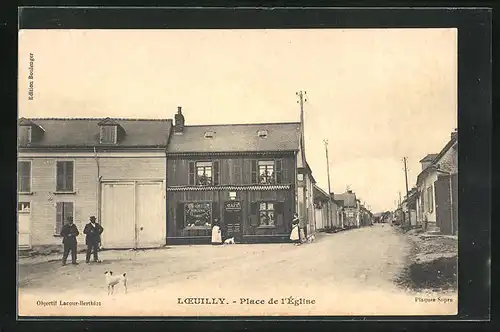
[
  {"x": 179, "y": 121},
  {"x": 454, "y": 133}
]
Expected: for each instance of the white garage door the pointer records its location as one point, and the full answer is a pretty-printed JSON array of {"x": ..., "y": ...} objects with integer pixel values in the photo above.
[
  {"x": 117, "y": 216},
  {"x": 133, "y": 215}
]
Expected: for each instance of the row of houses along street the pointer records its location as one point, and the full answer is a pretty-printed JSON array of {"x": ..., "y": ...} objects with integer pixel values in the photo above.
[{"x": 157, "y": 182}]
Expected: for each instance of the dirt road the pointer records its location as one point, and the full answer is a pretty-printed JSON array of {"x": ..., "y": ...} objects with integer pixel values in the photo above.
[{"x": 351, "y": 272}]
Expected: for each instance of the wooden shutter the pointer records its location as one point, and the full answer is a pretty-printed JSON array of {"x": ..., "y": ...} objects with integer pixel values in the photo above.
[
  {"x": 254, "y": 214},
  {"x": 192, "y": 177},
  {"x": 180, "y": 216},
  {"x": 215, "y": 211},
  {"x": 59, "y": 217},
  {"x": 69, "y": 175},
  {"x": 216, "y": 173},
  {"x": 278, "y": 166},
  {"x": 278, "y": 210},
  {"x": 254, "y": 172}
]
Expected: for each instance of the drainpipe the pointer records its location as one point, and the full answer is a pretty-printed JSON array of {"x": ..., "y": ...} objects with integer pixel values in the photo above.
[{"x": 98, "y": 187}]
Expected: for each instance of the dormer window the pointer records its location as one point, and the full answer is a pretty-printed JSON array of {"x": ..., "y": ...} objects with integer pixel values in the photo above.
[
  {"x": 209, "y": 134},
  {"x": 262, "y": 133},
  {"x": 109, "y": 134},
  {"x": 110, "y": 131},
  {"x": 24, "y": 135},
  {"x": 29, "y": 132}
]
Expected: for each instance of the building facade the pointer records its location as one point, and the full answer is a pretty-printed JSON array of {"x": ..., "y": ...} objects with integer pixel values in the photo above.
[
  {"x": 437, "y": 186},
  {"x": 113, "y": 169},
  {"x": 243, "y": 176}
]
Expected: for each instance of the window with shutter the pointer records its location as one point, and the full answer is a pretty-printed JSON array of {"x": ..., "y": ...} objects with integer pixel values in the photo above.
[
  {"x": 191, "y": 180},
  {"x": 65, "y": 179},
  {"x": 24, "y": 176},
  {"x": 64, "y": 210}
]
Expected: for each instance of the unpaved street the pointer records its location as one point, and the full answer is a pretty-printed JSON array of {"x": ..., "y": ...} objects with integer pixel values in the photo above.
[{"x": 351, "y": 272}]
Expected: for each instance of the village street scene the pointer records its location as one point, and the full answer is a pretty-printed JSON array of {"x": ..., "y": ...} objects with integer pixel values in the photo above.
[{"x": 204, "y": 210}]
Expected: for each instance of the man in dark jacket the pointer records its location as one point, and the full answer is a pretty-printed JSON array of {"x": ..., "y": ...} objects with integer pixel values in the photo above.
[
  {"x": 69, "y": 232},
  {"x": 93, "y": 238}
]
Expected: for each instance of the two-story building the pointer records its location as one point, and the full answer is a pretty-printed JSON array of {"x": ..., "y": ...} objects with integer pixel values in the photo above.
[
  {"x": 243, "y": 175},
  {"x": 437, "y": 185},
  {"x": 113, "y": 169}
]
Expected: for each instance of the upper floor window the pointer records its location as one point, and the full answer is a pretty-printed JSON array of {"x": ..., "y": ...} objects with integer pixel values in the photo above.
[
  {"x": 65, "y": 176},
  {"x": 204, "y": 173},
  {"x": 24, "y": 176},
  {"x": 108, "y": 134},
  {"x": 267, "y": 171}
]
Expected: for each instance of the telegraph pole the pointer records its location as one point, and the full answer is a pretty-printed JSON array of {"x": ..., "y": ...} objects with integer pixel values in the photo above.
[
  {"x": 302, "y": 99},
  {"x": 329, "y": 188},
  {"x": 407, "y": 192}
]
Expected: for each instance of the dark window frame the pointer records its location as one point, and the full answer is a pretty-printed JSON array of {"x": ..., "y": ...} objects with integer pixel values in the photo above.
[
  {"x": 21, "y": 179},
  {"x": 65, "y": 182},
  {"x": 276, "y": 169},
  {"x": 210, "y": 166}
]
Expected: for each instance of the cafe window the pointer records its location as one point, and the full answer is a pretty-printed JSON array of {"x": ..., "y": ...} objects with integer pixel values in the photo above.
[
  {"x": 267, "y": 214},
  {"x": 204, "y": 173},
  {"x": 267, "y": 171},
  {"x": 198, "y": 214}
]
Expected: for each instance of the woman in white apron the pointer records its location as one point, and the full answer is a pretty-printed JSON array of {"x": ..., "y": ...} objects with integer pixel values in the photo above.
[
  {"x": 216, "y": 233},
  {"x": 295, "y": 235}
]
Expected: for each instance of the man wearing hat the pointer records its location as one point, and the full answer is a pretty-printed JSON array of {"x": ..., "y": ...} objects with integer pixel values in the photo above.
[
  {"x": 69, "y": 232},
  {"x": 93, "y": 233}
]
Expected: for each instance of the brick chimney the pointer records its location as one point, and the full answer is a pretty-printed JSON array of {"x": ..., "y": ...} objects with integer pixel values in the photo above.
[{"x": 179, "y": 121}]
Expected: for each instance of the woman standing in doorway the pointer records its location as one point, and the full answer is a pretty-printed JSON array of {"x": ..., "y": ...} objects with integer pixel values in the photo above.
[
  {"x": 295, "y": 234},
  {"x": 216, "y": 232}
]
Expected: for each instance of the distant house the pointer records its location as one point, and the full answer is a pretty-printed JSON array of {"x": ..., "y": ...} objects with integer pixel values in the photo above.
[
  {"x": 327, "y": 213},
  {"x": 437, "y": 208},
  {"x": 409, "y": 209},
  {"x": 350, "y": 209},
  {"x": 113, "y": 169},
  {"x": 250, "y": 177}
]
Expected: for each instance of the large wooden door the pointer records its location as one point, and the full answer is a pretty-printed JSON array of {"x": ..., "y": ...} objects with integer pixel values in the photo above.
[
  {"x": 233, "y": 216},
  {"x": 117, "y": 216},
  {"x": 443, "y": 204},
  {"x": 24, "y": 225},
  {"x": 150, "y": 222}
]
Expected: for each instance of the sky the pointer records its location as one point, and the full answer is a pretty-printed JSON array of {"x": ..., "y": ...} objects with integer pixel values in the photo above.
[{"x": 376, "y": 95}]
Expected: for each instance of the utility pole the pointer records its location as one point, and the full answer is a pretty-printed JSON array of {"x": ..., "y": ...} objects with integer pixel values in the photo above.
[
  {"x": 302, "y": 99},
  {"x": 407, "y": 192},
  {"x": 330, "y": 217}
]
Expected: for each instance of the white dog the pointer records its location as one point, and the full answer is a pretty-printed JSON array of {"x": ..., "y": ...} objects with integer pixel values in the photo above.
[
  {"x": 311, "y": 238},
  {"x": 112, "y": 280},
  {"x": 229, "y": 241}
]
